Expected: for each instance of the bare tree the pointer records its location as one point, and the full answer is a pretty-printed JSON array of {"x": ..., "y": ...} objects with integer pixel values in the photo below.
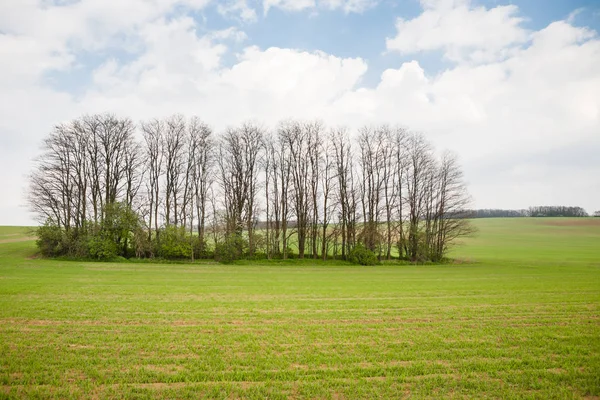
[
  {"x": 174, "y": 150},
  {"x": 399, "y": 173},
  {"x": 296, "y": 138},
  {"x": 154, "y": 132},
  {"x": 202, "y": 146},
  {"x": 277, "y": 185},
  {"x": 327, "y": 182},
  {"x": 419, "y": 169},
  {"x": 372, "y": 144},
  {"x": 238, "y": 162},
  {"x": 51, "y": 184},
  {"x": 451, "y": 207},
  {"x": 346, "y": 195},
  {"x": 314, "y": 132}
]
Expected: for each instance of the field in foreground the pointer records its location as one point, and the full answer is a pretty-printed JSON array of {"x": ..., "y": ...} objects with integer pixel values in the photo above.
[{"x": 518, "y": 318}]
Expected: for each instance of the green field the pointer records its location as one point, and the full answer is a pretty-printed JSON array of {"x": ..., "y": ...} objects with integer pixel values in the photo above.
[{"x": 516, "y": 316}]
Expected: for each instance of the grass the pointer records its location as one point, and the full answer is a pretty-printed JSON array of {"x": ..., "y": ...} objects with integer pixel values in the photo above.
[{"x": 517, "y": 317}]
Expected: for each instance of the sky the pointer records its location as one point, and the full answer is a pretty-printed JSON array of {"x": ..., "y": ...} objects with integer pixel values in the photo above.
[{"x": 512, "y": 87}]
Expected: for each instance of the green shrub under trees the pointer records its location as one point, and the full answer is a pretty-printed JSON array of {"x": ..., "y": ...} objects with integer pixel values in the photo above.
[
  {"x": 101, "y": 247},
  {"x": 362, "y": 256},
  {"x": 231, "y": 249},
  {"x": 174, "y": 243},
  {"x": 114, "y": 236},
  {"x": 50, "y": 240}
]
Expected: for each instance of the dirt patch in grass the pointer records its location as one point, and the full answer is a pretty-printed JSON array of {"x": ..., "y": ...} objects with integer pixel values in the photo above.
[
  {"x": 158, "y": 385},
  {"x": 81, "y": 346},
  {"x": 21, "y": 239}
]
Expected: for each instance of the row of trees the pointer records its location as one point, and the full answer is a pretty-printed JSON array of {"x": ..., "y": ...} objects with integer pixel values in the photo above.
[
  {"x": 498, "y": 213},
  {"x": 172, "y": 188},
  {"x": 538, "y": 211},
  {"x": 556, "y": 211}
]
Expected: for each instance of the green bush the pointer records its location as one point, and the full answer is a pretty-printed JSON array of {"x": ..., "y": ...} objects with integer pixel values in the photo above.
[
  {"x": 362, "y": 256},
  {"x": 120, "y": 224},
  {"x": 141, "y": 243},
  {"x": 174, "y": 243},
  {"x": 102, "y": 248},
  {"x": 202, "y": 250},
  {"x": 231, "y": 249},
  {"x": 50, "y": 240}
]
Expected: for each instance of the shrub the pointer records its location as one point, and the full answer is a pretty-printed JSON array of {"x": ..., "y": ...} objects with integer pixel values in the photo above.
[
  {"x": 201, "y": 249},
  {"x": 362, "y": 256},
  {"x": 50, "y": 240},
  {"x": 120, "y": 225},
  {"x": 102, "y": 248},
  {"x": 231, "y": 249},
  {"x": 174, "y": 243},
  {"x": 141, "y": 243}
]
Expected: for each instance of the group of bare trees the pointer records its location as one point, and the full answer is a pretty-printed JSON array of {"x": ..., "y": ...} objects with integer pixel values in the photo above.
[
  {"x": 86, "y": 164},
  {"x": 301, "y": 190}
]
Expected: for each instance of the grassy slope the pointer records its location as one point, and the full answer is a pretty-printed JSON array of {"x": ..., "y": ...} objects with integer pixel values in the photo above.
[
  {"x": 520, "y": 320},
  {"x": 548, "y": 240}
]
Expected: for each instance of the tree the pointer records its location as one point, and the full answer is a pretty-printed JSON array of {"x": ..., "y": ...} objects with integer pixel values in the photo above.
[
  {"x": 153, "y": 132},
  {"x": 346, "y": 196},
  {"x": 296, "y": 138},
  {"x": 451, "y": 202},
  {"x": 372, "y": 144},
  {"x": 277, "y": 181},
  {"x": 202, "y": 154},
  {"x": 399, "y": 160},
  {"x": 315, "y": 132},
  {"x": 239, "y": 152},
  {"x": 174, "y": 151},
  {"x": 119, "y": 225},
  {"x": 327, "y": 181},
  {"x": 420, "y": 167}
]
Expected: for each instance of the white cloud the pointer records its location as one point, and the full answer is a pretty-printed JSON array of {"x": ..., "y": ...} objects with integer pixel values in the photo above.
[
  {"x": 265, "y": 84},
  {"x": 288, "y": 5},
  {"x": 237, "y": 8},
  {"x": 230, "y": 33},
  {"x": 462, "y": 31},
  {"x": 508, "y": 117},
  {"x": 348, "y": 6}
]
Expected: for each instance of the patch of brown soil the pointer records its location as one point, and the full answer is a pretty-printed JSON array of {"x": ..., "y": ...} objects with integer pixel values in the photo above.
[{"x": 21, "y": 239}]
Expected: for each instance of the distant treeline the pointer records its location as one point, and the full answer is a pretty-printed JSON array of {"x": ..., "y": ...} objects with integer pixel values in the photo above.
[
  {"x": 537, "y": 211},
  {"x": 499, "y": 213},
  {"x": 557, "y": 211}
]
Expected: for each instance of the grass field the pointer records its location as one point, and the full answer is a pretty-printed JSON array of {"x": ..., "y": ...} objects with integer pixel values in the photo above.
[{"x": 517, "y": 316}]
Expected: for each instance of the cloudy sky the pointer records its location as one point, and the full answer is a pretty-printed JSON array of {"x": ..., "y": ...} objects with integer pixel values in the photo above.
[{"x": 513, "y": 87}]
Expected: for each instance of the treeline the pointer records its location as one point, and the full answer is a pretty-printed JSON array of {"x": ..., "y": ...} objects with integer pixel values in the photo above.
[
  {"x": 557, "y": 211},
  {"x": 498, "y": 213},
  {"x": 171, "y": 188},
  {"x": 538, "y": 211}
]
